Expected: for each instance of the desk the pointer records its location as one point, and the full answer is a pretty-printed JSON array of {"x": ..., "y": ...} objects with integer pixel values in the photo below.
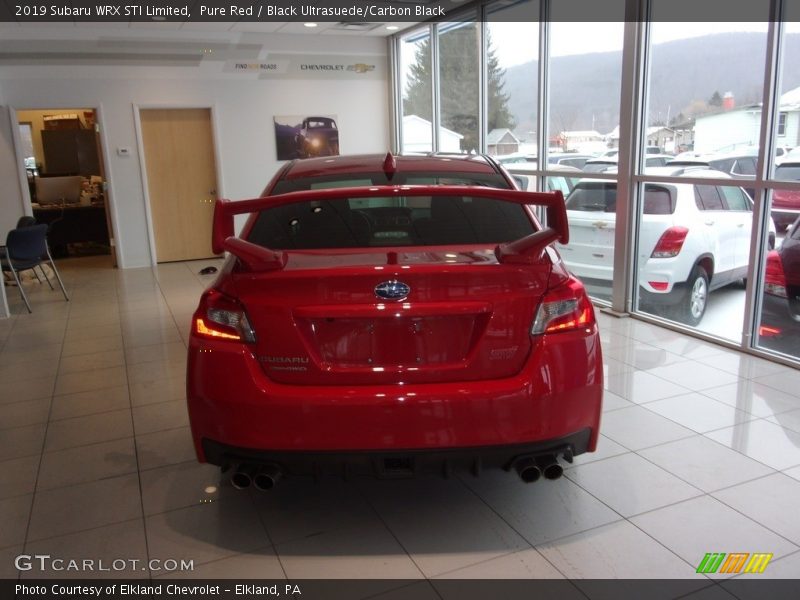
[{"x": 72, "y": 224}]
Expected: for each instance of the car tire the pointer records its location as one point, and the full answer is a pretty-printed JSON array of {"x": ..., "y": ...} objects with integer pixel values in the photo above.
[{"x": 692, "y": 306}]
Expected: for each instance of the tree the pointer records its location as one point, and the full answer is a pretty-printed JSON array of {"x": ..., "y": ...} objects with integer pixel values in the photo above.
[
  {"x": 458, "y": 80},
  {"x": 715, "y": 100}
]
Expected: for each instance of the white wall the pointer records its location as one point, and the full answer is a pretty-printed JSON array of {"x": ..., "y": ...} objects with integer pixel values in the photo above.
[
  {"x": 243, "y": 106},
  {"x": 792, "y": 136},
  {"x": 724, "y": 130},
  {"x": 11, "y": 196}
]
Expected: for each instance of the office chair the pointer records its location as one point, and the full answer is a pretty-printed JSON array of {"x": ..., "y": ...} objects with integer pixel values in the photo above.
[
  {"x": 25, "y": 221},
  {"x": 26, "y": 248}
]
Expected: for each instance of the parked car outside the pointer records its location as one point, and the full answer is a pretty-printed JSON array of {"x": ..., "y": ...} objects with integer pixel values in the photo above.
[
  {"x": 609, "y": 164},
  {"x": 515, "y": 158},
  {"x": 525, "y": 179},
  {"x": 318, "y": 136},
  {"x": 692, "y": 239},
  {"x": 569, "y": 159},
  {"x": 600, "y": 165},
  {"x": 739, "y": 165},
  {"x": 657, "y": 160},
  {"x": 786, "y": 203},
  {"x": 389, "y": 315},
  {"x": 793, "y": 154},
  {"x": 780, "y": 310},
  {"x": 647, "y": 150}
]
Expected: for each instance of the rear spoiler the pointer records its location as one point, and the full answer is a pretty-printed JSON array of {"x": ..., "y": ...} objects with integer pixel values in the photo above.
[{"x": 258, "y": 258}]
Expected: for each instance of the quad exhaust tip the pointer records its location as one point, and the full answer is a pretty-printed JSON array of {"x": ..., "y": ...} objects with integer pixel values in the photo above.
[
  {"x": 243, "y": 476},
  {"x": 267, "y": 477},
  {"x": 550, "y": 467},
  {"x": 528, "y": 470},
  {"x": 261, "y": 477},
  {"x": 532, "y": 469}
]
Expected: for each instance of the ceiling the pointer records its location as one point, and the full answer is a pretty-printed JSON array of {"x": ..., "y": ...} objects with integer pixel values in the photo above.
[
  {"x": 177, "y": 41},
  {"x": 167, "y": 42},
  {"x": 216, "y": 28}
]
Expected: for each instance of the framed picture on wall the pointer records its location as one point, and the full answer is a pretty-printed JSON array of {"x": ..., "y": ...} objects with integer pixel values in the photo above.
[{"x": 306, "y": 136}]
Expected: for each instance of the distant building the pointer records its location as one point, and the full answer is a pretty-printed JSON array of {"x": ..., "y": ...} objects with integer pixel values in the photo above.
[
  {"x": 684, "y": 136},
  {"x": 589, "y": 141},
  {"x": 739, "y": 127},
  {"x": 663, "y": 137},
  {"x": 727, "y": 130},
  {"x": 418, "y": 136},
  {"x": 500, "y": 142}
]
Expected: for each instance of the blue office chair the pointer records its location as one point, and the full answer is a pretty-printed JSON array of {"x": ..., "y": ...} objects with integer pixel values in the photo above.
[
  {"x": 25, "y": 221},
  {"x": 26, "y": 248}
]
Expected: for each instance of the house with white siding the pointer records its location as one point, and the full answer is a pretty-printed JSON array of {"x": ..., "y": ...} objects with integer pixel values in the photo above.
[{"x": 738, "y": 127}]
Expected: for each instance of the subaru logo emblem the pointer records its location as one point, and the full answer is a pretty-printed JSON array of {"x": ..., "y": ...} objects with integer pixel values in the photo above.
[{"x": 392, "y": 290}]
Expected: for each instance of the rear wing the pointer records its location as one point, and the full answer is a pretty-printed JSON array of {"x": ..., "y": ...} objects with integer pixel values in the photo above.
[{"x": 258, "y": 258}]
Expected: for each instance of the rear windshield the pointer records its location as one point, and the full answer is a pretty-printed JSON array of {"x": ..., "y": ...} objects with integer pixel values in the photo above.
[
  {"x": 658, "y": 201},
  {"x": 593, "y": 197},
  {"x": 356, "y": 180},
  {"x": 602, "y": 197},
  {"x": 598, "y": 167},
  {"x": 788, "y": 172},
  {"x": 390, "y": 221}
]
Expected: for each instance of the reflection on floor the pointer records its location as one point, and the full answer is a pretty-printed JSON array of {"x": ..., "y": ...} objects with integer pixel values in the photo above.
[{"x": 700, "y": 453}]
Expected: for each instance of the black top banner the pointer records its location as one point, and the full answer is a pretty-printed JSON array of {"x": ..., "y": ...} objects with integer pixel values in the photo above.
[{"x": 381, "y": 11}]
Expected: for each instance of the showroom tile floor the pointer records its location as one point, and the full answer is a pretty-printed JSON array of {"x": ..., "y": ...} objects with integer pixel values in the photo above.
[{"x": 700, "y": 453}]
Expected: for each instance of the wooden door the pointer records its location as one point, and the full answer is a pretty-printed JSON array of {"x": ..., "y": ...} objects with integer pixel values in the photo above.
[{"x": 181, "y": 178}]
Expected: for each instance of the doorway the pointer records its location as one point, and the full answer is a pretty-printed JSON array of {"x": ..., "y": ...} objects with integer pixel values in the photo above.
[
  {"x": 66, "y": 176},
  {"x": 178, "y": 148}
]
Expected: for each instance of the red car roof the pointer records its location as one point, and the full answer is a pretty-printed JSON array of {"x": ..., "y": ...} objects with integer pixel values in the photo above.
[{"x": 366, "y": 163}]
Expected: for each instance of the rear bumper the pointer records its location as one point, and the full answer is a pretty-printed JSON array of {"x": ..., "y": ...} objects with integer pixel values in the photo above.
[
  {"x": 675, "y": 296},
  {"x": 234, "y": 405},
  {"x": 398, "y": 463}
]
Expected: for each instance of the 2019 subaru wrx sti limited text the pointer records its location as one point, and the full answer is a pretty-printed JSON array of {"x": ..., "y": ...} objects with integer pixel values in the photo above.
[{"x": 390, "y": 315}]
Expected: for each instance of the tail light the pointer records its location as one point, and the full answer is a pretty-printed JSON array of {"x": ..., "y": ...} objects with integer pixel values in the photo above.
[
  {"x": 220, "y": 317},
  {"x": 774, "y": 277},
  {"x": 670, "y": 242},
  {"x": 765, "y": 331},
  {"x": 564, "y": 308}
]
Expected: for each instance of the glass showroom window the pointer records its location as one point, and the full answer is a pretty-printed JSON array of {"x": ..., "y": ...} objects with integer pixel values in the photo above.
[
  {"x": 459, "y": 86},
  {"x": 512, "y": 60},
  {"x": 585, "y": 74},
  {"x": 693, "y": 253},
  {"x": 704, "y": 117},
  {"x": 778, "y": 324},
  {"x": 787, "y": 134},
  {"x": 416, "y": 85}
]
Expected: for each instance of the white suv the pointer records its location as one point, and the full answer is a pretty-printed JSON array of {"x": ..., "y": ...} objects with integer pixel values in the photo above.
[{"x": 692, "y": 239}]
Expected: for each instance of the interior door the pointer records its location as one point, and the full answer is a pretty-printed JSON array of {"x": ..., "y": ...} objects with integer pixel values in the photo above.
[{"x": 181, "y": 178}]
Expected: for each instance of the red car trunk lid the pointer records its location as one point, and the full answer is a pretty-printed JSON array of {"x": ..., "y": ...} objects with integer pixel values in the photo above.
[{"x": 466, "y": 317}]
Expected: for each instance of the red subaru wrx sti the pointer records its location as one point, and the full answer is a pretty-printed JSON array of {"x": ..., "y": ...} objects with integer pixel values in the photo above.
[{"x": 393, "y": 314}]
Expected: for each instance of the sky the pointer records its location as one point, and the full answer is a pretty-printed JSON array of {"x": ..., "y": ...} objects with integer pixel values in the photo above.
[{"x": 519, "y": 45}]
